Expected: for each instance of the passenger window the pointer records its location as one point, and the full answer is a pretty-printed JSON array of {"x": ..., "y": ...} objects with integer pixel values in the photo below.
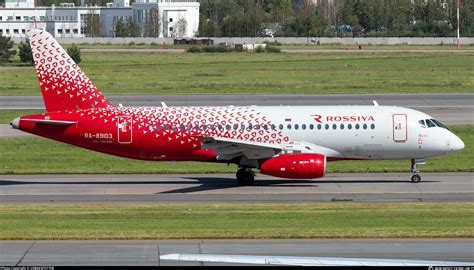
[
  {"x": 289, "y": 126},
  {"x": 228, "y": 127},
  {"x": 158, "y": 128},
  {"x": 319, "y": 126},
  {"x": 311, "y": 126},
  {"x": 265, "y": 126},
  {"x": 334, "y": 126},
  {"x": 280, "y": 126},
  {"x": 196, "y": 127},
  {"x": 372, "y": 126},
  {"x": 220, "y": 127},
  {"x": 212, "y": 127},
  {"x": 242, "y": 127},
  {"x": 303, "y": 126},
  {"x": 365, "y": 126},
  {"x": 349, "y": 126},
  {"x": 274, "y": 127},
  {"x": 250, "y": 126},
  {"x": 326, "y": 126},
  {"x": 181, "y": 127},
  {"x": 257, "y": 127},
  {"x": 342, "y": 126},
  {"x": 166, "y": 127},
  {"x": 236, "y": 126},
  {"x": 429, "y": 123},
  {"x": 190, "y": 127},
  {"x": 357, "y": 126},
  {"x": 296, "y": 126}
]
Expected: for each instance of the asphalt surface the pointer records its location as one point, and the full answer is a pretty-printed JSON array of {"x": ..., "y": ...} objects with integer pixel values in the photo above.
[
  {"x": 406, "y": 100},
  {"x": 223, "y": 188},
  {"x": 141, "y": 253}
]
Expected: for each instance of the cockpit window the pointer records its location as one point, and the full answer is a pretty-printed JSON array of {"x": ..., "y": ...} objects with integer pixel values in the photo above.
[
  {"x": 422, "y": 123},
  {"x": 438, "y": 123},
  {"x": 429, "y": 123}
]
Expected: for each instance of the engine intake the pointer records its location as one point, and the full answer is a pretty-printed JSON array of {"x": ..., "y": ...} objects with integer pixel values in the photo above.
[{"x": 302, "y": 165}]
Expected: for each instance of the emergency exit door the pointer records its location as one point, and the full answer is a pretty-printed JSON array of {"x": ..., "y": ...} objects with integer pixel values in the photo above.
[
  {"x": 125, "y": 129},
  {"x": 400, "y": 132}
]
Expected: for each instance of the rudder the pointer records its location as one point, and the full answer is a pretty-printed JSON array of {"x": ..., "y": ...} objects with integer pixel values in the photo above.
[{"x": 63, "y": 84}]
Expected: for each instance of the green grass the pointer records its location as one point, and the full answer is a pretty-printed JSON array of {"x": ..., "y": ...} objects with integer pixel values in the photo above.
[
  {"x": 251, "y": 73},
  {"x": 226, "y": 221},
  {"x": 7, "y": 115},
  {"x": 30, "y": 155},
  {"x": 372, "y": 47}
]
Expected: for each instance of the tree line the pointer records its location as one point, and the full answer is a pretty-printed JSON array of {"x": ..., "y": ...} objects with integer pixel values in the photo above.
[
  {"x": 337, "y": 18},
  {"x": 303, "y": 18}
]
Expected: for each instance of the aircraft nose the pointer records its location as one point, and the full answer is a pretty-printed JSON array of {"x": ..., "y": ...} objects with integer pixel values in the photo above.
[
  {"x": 457, "y": 143},
  {"x": 15, "y": 123}
]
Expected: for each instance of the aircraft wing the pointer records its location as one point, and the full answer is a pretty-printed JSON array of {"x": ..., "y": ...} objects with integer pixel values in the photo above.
[
  {"x": 227, "y": 149},
  {"x": 304, "y": 261}
]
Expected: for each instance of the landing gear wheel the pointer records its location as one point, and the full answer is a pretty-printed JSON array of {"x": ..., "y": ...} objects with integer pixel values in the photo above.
[
  {"x": 245, "y": 177},
  {"x": 415, "y": 178}
]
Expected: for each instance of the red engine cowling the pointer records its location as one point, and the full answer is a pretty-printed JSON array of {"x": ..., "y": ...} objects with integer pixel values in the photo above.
[{"x": 304, "y": 165}]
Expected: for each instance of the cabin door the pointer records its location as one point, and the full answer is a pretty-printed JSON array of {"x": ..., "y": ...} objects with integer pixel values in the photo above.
[
  {"x": 400, "y": 132},
  {"x": 124, "y": 129}
]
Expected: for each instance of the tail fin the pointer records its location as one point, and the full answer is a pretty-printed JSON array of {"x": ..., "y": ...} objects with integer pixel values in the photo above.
[{"x": 63, "y": 84}]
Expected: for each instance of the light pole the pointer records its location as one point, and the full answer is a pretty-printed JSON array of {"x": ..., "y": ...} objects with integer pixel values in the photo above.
[{"x": 458, "y": 4}]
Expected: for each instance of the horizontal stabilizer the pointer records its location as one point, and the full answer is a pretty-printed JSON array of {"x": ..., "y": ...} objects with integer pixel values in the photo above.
[{"x": 51, "y": 122}]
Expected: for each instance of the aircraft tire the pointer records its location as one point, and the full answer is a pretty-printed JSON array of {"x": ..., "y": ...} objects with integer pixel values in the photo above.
[
  {"x": 245, "y": 177},
  {"x": 416, "y": 178}
]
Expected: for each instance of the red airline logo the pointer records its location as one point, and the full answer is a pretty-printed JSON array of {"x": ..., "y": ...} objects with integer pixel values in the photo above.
[{"x": 344, "y": 118}]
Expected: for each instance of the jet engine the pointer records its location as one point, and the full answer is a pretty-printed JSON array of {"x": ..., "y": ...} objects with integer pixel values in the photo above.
[{"x": 301, "y": 165}]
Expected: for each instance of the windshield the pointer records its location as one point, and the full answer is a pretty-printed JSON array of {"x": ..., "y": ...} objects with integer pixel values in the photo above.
[
  {"x": 438, "y": 123},
  {"x": 429, "y": 123}
]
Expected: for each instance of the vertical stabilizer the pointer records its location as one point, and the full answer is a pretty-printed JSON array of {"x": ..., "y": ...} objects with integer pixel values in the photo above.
[{"x": 63, "y": 84}]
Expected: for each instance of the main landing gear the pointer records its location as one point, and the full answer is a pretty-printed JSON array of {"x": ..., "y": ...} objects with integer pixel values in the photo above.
[
  {"x": 245, "y": 177},
  {"x": 415, "y": 178}
]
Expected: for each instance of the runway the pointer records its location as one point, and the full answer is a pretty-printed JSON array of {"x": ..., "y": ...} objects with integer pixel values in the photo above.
[
  {"x": 141, "y": 253},
  {"x": 450, "y": 100},
  {"x": 222, "y": 188}
]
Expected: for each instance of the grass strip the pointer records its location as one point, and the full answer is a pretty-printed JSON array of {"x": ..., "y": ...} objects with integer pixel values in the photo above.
[
  {"x": 251, "y": 73},
  {"x": 249, "y": 221},
  {"x": 7, "y": 115}
]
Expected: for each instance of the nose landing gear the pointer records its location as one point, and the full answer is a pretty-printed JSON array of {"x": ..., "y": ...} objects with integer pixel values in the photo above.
[
  {"x": 416, "y": 178},
  {"x": 245, "y": 177}
]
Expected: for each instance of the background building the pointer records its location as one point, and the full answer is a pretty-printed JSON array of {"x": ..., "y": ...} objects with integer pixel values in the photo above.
[{"x": 155, "y": 18}]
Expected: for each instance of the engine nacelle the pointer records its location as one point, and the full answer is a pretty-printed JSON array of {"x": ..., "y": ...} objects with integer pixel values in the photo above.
[{"x": 302, "y": 165}]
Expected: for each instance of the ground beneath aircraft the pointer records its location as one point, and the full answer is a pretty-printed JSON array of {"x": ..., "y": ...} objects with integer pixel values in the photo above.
[{"x": 223, "y": 188}]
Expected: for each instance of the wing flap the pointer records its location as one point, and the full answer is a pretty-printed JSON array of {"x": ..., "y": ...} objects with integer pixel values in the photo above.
[{"x": 227, "y": 149}]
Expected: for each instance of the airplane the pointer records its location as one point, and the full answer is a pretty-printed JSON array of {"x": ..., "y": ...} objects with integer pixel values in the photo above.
[
  {"x": 304, "y": 261},
  {"x": 286, "y": 142}
]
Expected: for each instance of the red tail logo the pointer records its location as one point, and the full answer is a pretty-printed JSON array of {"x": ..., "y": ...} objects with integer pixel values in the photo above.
[{"x": 62, "y": 82}]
